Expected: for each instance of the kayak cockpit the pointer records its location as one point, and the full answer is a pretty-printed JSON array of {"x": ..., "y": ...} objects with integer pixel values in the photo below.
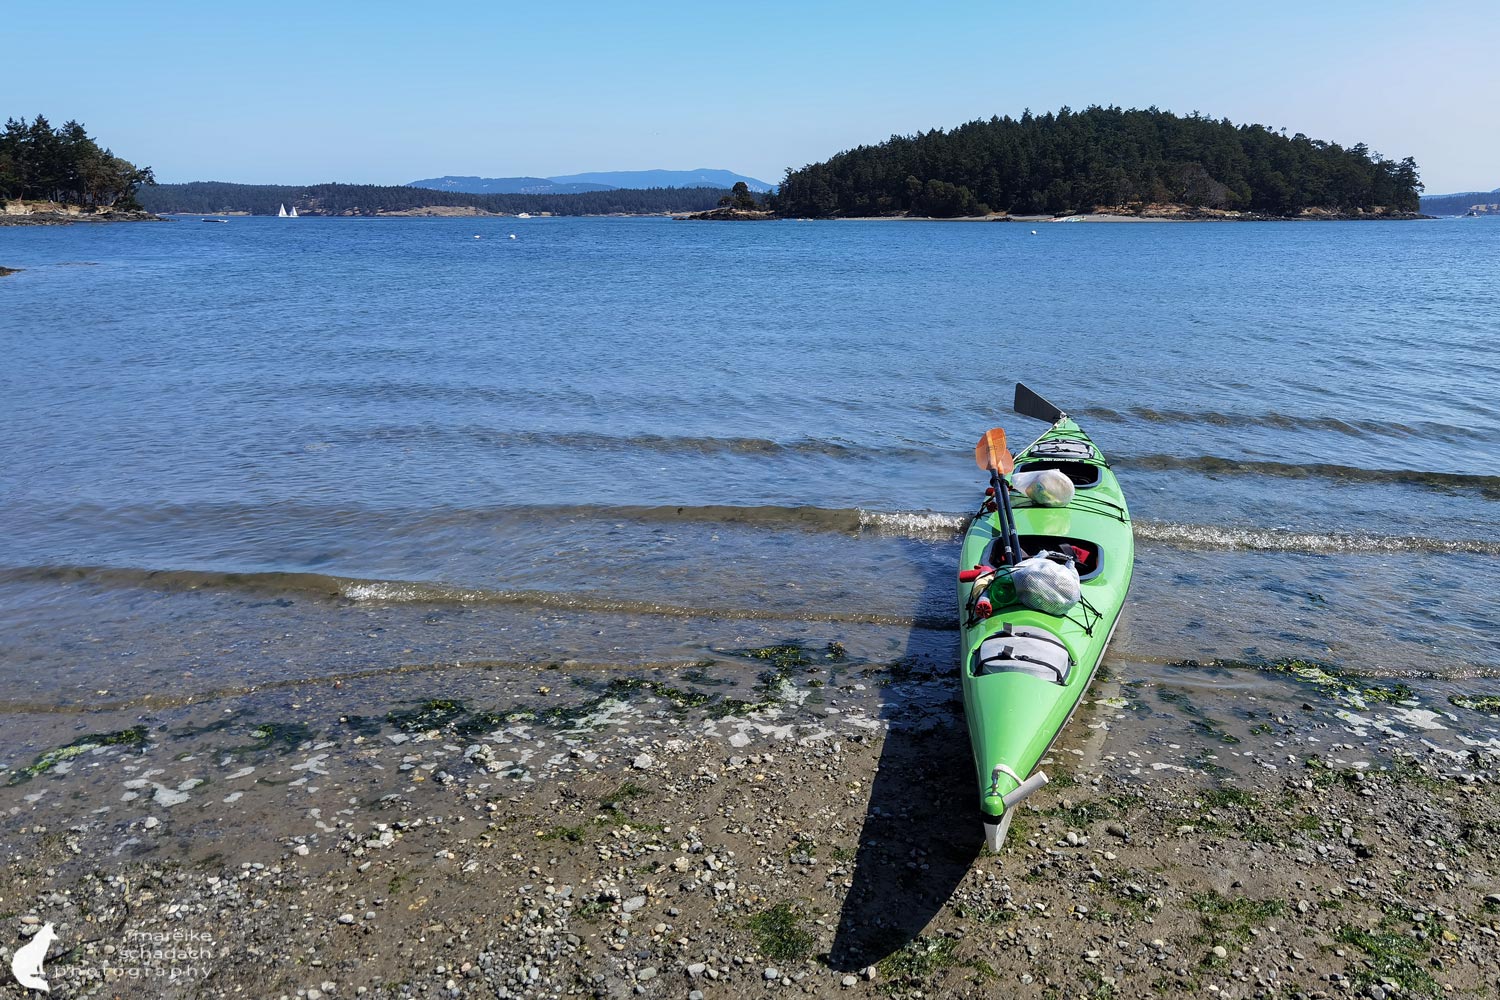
[
  {"x": 1085, "y": 475},
  {"x": 1088, "y": 561}
]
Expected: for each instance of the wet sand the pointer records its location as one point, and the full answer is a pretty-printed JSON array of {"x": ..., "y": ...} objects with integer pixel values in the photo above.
[{"x": 483, "y": 833}]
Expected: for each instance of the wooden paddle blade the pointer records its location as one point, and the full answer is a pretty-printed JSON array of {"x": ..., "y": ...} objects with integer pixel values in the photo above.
[
  {"x": 991, "y": 453},
  {"x": 1029, "y": 404}
]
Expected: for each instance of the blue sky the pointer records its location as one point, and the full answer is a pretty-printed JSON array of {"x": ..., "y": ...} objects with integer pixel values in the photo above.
[{"x": 383, "y": 92}]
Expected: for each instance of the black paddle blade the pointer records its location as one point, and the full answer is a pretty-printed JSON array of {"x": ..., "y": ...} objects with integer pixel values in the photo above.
[{"x": 1029, "y": 404}]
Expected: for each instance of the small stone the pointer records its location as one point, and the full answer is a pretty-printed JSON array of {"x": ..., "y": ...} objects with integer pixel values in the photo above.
[
  {"x": 1116, "y": 830},
  {"x": 848, "y": 981},
  {"x": 870, "y": 973},
  {"x": 346, "y": 918},
  {"x": 647, "y": 973},
  {"x": 314, "y": 994},
  {"x": 151, "y": 823},
  {"x": 1072, "y": 838},
  {"x": 633, "y": 903},
  {"x": 1377, "y": 993},
  {"x": 771, "y": 975},
  {"x": 644, "y": 762},
  {"x": 1220, "y": 951},
  {"x": 696, "y": 969},
  {"x": 301, "y": 850},
  {"x": 696, "y": 995}
]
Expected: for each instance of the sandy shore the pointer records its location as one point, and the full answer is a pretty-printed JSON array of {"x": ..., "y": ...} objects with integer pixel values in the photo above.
[{"x": 653, "y": 843}]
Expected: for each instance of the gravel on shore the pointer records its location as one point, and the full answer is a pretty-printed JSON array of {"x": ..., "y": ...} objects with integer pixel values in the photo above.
[{"x": 680, "y": 854}]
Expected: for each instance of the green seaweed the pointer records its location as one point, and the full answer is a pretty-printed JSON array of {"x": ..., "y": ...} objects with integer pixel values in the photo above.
[
  {"x": 134, "y": 737},
  {"x": 910, "y": 965},
  {"x": 725, "y": 707},
  {"x": 1238, "y": 907},
  {"x": 1225, "y": 797},
  {"x": 285, "y": 734},
  {"x": 434, "y": 714},
  {"x": 1392, "y": 956},
  {"x": 1477, "y": 703},
  {"x": 779, "y": 934},
  {"x": 620, "y": 687},
  {"x": 782, "y": 657}
]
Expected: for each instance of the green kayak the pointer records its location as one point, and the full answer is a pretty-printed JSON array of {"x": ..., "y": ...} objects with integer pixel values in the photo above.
[{"x": 1043, "y": 574}]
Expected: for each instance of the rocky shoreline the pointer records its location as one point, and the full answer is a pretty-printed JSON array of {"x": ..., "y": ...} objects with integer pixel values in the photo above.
[
  {"x": 727, "y": 215},
  {"x": 67, "y": 218},
  {"x": 655, "y": 842}
]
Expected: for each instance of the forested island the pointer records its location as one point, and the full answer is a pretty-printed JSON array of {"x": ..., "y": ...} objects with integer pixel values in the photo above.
[
  {"x": 216, "y": 197},
  {"x": 65, "y": 167},
  {"x": 1102, "y": 159}
]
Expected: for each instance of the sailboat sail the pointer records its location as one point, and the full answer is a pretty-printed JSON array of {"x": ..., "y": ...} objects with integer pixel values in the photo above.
[
  {"x": 293, "y": 212},
  {"x": 282, "y": 214}
]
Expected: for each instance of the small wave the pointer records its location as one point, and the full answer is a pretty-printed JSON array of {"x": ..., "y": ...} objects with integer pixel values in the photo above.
[
  {"x": 1487, "y": 486},
  {"x": 416, "y": 592},
  {"x": 426, "y": 434},
  {"x": 1215, "y": 538},
  {"x": 1353, "y": 427},
  {"x": 914, "y": 523}
]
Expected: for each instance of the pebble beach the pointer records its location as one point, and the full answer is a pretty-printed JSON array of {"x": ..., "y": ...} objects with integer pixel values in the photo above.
[{"x": 1325, "y": 839}]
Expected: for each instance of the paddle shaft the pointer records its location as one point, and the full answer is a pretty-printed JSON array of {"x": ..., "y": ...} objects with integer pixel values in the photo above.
[
  {"x": 1008, "y": 520},
  {"x": 1011, "y": 540}
]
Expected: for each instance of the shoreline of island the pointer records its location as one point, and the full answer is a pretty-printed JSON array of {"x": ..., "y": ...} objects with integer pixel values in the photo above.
[{"x": 1154, "y": 213}]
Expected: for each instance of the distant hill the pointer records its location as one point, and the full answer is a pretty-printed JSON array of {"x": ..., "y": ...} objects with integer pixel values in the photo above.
[
  {"x": 516, "y": 185},
  {"x": 702, "y": 177},
  {"x": 1479, "y": 202},
  {"x": 1102, "y": 158},
  {"x": 215, "y": 197},
  {"x": 601, "y": 181}
]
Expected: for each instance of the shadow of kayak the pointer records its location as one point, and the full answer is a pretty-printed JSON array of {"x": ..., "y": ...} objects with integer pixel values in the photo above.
[{"x": 921, "y": 833}]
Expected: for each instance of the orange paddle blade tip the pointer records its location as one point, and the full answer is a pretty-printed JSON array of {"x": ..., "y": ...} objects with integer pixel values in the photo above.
[{"x": 991, "y": 453}]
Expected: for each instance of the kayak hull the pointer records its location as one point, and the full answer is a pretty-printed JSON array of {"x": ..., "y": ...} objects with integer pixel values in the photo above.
[{"x": 1014, "y": 715}]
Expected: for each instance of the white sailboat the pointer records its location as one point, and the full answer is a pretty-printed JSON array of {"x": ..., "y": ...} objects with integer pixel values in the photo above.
[
  {"x": 293, "y": 213},
  {"x": 282, "y": 214}
]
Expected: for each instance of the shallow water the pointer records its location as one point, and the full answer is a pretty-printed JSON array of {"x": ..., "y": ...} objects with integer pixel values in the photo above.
[{"x": 280, "y": 449}]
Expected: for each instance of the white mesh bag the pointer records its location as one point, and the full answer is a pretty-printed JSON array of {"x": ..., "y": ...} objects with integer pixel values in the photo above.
[
  {"x": 1046, "y": 585},
  {"x": 1048, "y": 488}
]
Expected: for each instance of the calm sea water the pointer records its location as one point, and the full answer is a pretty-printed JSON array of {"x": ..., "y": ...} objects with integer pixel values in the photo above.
[{"x": 279, "y": 447}]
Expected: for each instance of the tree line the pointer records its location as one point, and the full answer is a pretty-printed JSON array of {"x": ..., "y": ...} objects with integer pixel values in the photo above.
[
  {"x": 214, "y": 197},
  {"x": 1102, "y": 157},
  {"x": 65, "y": 165},
  {"x": 1460, "y": 204}
]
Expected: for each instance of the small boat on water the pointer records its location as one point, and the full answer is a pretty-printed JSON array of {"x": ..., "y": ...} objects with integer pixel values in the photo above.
[
  {"x": 215, "y": 220},
  {"x": 282, "y": 214},
  {"x": 1043, "y": 573},
  {"x": 524, "y": 215}
]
